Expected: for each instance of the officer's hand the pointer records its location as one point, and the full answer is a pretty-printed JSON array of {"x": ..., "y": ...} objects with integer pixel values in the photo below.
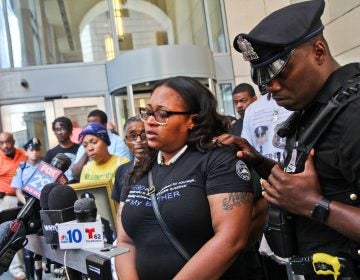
[
  {"x": 245, "y": 150},
  {"x": 298, "y": 193}
]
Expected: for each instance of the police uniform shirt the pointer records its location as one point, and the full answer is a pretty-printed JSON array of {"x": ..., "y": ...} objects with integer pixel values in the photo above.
[
  {"x": 23, "y": 174},
  {"x": 337, "y": 163},
  {"x": 182, "y": 190}
]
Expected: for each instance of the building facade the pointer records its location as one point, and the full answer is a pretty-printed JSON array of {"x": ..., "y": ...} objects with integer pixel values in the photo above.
[{"x": 68, "y": 57}]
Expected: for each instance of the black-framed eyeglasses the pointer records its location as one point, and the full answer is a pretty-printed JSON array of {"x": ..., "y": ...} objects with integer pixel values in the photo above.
[
  {"x": 133, "y": 136},
  {"x": 160, "y": 116}
]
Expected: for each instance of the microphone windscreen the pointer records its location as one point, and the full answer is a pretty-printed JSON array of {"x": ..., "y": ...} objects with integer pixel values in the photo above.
[
  {"x": 44, "y": 195},
  {"x": 61, "y": 161},
  {"x": 85, "y": 210},
  {"x": 61, "y": 197}
]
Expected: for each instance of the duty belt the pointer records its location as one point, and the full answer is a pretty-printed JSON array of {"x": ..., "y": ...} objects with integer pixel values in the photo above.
[{"x": 324, "y": 264}]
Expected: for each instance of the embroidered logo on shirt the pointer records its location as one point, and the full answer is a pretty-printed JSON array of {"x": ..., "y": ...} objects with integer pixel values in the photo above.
[{"x": 243, "y": 171}]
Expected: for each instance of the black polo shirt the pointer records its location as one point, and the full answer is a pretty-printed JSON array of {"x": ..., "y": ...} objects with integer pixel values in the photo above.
[{"x": 182, "y": 191}]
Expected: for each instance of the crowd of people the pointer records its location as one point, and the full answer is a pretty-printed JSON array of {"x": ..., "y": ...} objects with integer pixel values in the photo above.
[{"x": 273, "y": 195}]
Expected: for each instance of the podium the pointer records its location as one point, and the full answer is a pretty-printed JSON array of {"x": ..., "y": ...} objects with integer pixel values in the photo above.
[{"x": 92, "y": 262}]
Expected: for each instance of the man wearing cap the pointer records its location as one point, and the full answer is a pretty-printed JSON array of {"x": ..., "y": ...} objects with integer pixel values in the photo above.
[
  {"x": 288, "y": 54},
  {"x": 10, "y": 158},
  {"x": 26, "y": 169},
  {"x": 22, "y": 175}
]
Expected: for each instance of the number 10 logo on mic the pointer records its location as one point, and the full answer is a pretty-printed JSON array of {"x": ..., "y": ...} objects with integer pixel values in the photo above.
[{"x": 73, "y": 235}]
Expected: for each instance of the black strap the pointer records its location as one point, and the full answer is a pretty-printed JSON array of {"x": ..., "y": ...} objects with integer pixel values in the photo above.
[
  {"x": 177, "y": 245},
  {"x": 347, "y": 94},
  {"x": 22, "y": 167}
]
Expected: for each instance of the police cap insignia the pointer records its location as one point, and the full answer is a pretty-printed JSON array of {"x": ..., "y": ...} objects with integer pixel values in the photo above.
[
  {"x": 33, "y": 143},
  {"x": 276, "y": 36},
  {"x": 246, "y": 49}
]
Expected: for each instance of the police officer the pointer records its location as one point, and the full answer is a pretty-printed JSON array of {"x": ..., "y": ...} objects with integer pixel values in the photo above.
[
  {"x": 23, "y": 173},
  {"x": 289, "y": 54},
  {"x": 26, "y": 169}
]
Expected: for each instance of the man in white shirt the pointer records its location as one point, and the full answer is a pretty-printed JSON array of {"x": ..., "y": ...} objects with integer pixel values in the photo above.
[{"x": 261, "y": 122}]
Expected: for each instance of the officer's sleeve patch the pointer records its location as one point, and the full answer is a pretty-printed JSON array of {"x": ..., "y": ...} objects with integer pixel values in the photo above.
[{"x": 243, "y": 171}]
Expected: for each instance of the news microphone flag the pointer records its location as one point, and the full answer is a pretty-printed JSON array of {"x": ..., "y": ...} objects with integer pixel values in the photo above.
[
  {"x": 42, "y": 176},
  {"x": 74, "y": 235}
]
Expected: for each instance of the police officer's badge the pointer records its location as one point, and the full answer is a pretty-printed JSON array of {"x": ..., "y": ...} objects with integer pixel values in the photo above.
[
  {"x": 243, "y": 171},
  {"x": 246, "y": 49}
]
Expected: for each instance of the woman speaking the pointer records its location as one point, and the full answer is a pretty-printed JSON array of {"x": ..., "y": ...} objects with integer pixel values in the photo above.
[{"x": 202, "y": 192}]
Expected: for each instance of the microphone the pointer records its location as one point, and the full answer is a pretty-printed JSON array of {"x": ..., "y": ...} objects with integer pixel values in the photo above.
[
  {"x": 9, "y": 214},
  {"x": 61, "y": 197},
  {"x": 43, "y": 175},
  {"x": 61, "y": 161},
  {"x": 107, "y": 228},
  {"x": 87, "y": 230},
  {"x": 12, "y": 239},
  {"x": 85, "y": 210},
  {"x": 47, "y": 173},
  {"x": 44, "y": 195},
  {"x": 57, "y": 202},
  {"x": 15, "y": 236}
]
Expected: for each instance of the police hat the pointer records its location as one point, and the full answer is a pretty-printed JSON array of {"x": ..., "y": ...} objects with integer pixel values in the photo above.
[
  {"x": 87, "y": 195},
  {"x": 261, "y": 130},
  {"x": 269, "y": 45},
  {"x": 33, "y": 143}
]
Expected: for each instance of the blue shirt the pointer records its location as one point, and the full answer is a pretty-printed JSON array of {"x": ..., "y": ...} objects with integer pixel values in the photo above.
[{"x": 23, "y": 174}]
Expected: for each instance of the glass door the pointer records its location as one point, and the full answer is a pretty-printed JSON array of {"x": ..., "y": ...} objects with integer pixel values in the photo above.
[
  {"x": 121, "y": 111},
  {"x": 77, "y": 110},
  {"x": 29, "y": 120},
  {"x": 35, "y": 119}
]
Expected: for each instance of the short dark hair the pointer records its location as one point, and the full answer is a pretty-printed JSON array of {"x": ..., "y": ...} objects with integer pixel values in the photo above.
[
  {"x": 98, "y": 113},
  {"x": 66, "y": 122},
  {"x": 244, "y": 87},
  {"x": 132, "y": 120}
]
